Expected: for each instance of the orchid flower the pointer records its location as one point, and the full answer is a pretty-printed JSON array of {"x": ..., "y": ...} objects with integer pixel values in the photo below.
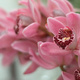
[
  {"x": 6, "y": 22},
  {"x": 65, "y": 42},
  {"x": 66, "y": 34},
  {"x": 35, "y": 30},
  {"x": 28, "y": 18},
  {"x": 70, "y": 69},
  {"x": 23, "y": 46},
  {"x": 13, "y": 44},
  {"x": 38, "y": 32},
  {"x": 56, "y": 8},
  {"x": 75, "y": 75}
]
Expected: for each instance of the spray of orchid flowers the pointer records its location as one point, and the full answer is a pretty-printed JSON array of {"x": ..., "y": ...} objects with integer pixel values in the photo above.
[{"x": 48, "y": 35}]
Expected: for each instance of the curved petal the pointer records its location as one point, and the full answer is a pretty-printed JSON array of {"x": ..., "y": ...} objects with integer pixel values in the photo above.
[
  {"x": 68, "y": 57},
  {"x": 54, "y": 25},
  {"x": 62, "y": 20},
  {"x": 8, "y": 56},
  {"x": 55, "y": 59},
  {"x": 23, "y": 58},
  {"x": 73, "y": 21},
  {"x": 63, "y": 6},
  {"x": 31, "y": 68},
  {"x": 67, "y": 76},
  {"x": 25, "y": 12},
  {"x": 77, "y": 52},
  {"x": 35, "y": 11},
  {"x": 23, "y": 2},
  {"x": 52, "y": 5},
  {"x": 49, "y": 48},
  {"x": 37, "y": 59},
  {"x": 24, "y": 46},
  {"x": 6, "y": 40},
  {"x": 3, "y": 13},
  {"x": 69, "y": 5},
  {"x": 31, "y": 30},
  {"x": 58, "y": 60},
  {"x": 60, "y": 78}
]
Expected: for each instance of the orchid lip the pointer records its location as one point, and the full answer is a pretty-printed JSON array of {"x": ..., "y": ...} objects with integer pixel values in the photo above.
[
  {"x": 64, "y": 37},
  {"x": 77, "y": 74}
]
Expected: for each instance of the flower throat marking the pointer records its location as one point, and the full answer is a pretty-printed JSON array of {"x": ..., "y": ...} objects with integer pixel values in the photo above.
[{"x": 64, "y": 37}]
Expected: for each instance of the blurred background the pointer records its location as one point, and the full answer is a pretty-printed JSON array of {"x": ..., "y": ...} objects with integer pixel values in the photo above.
[{"x": 15, "y": 71}]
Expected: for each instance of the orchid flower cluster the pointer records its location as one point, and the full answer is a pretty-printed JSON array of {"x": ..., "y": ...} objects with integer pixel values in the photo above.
[{"x": 47, "y": 35}]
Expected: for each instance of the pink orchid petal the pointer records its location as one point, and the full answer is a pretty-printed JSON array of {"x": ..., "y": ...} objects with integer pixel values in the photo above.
[
  {"x": 23, "y": 58},
  {"x": 53, "y": 5},
  {"x": 58, "y": 60},
  {"x": 60, "y": 78},
  {"x": 31, "y": 68},
  {"x": 49, "y": 48},
  {"x": 73, "y": 21},
  {"x": 68, "y": 57},
  {"x": 31, "y": 30},
  {"x": 69, "y": 5},
  {"x": 35, "y": 11},
  {"x": 43, "y": 9},
  {"x": 3, "y": 13},
  {"x": 25, "y": 12},
  {"x": 72, "y": 67},
  {"x": 49, "y": 59},
  {"x": 62, "y": 20},
  {"x": 23, "y": 2},
  {"x": 37, "y": 59},
  {"x": 8, "y": 56},
  {"x": 62, "y": 3},
  {"x": 6, "y": 40},
  {"x": 54, "y": 25},
  {"x": 67, "y": 76},
  {"x": 77, "y": 52},
  {"x": 24, "y": 46},
  {"x": 2, "y": 29}
]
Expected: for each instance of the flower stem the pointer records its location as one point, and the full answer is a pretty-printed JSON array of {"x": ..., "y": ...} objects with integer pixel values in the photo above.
[
  {"x": 76, "y": 57},
  {"x": 62, "y": 68},
  {"x": 46, "y": 31}
]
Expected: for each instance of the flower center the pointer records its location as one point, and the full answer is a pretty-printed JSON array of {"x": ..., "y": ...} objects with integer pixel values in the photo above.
[
  {"x": 77, "y": 74},
  {"x": 64, "y": 37}
]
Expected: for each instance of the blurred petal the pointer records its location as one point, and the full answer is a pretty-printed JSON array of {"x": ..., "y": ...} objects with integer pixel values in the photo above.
[
  {"x": 24, "y": 45},
  {"x": 37, "y": 59},
  {"x": 31, "y": 68},
  {"x": 67, "y": 76},
  {"x": 24, "y": 2},
  {"x": 6, "y": 40},
  {"x": 35, "y": 11},
  {"x": 69, "y": 5},
  {"x": 63, "y": 6},
  {"x": 23, "y": 58},
  {"x": 8, "y": 56}
]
